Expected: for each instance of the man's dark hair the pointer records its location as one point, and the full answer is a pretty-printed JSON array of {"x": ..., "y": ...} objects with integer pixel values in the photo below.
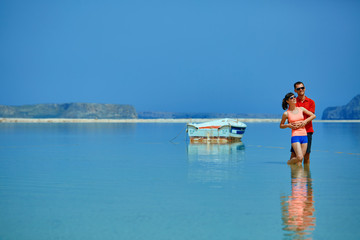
[{"x": 298, "y": 83}]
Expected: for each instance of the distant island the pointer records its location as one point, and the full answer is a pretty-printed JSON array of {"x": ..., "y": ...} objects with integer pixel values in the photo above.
[
  {"x": 70, "y": 110},
  {"x": 350, "y": 111},
  {"x": 107, "y": 111}
]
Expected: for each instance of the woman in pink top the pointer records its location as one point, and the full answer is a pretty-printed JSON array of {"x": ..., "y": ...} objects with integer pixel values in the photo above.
[{"x": 296, "y": 122}]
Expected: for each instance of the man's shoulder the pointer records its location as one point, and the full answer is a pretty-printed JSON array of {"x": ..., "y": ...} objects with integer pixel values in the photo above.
[{"x": 309, "y": 99}]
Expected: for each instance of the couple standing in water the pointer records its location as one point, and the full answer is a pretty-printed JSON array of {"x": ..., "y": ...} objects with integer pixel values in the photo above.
[{"x": 299, "y": 115}]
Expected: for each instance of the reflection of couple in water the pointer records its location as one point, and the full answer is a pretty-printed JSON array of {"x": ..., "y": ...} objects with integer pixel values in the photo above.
[{"x": 298, "y": 208}]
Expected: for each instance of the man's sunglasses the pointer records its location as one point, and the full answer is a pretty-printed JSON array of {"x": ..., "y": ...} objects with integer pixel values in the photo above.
[{"x": 300, "y": 88}]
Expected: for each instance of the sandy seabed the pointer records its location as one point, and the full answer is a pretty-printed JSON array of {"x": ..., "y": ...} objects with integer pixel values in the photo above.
[{"x": 183, "y": 120}]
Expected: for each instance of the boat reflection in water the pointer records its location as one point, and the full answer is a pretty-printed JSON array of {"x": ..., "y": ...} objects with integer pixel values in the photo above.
[
  {"x": 214, "y": 163},
  {"x": 298, "y": 209}
]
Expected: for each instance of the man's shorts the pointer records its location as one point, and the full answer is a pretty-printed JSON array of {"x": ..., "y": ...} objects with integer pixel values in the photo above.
[{"x": 309, "y": 137}]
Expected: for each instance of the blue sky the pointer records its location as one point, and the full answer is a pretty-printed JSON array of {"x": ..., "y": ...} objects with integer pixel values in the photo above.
[{"x": 181, "y": 56}]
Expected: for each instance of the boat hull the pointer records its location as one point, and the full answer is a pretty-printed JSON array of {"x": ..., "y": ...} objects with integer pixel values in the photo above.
[
  {"x": 214, "y": 140},
  {"x": 223, "y": 131}
]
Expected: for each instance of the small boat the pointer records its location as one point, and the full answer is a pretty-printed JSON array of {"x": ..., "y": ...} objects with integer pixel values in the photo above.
[{"x": 218, "y": 131}]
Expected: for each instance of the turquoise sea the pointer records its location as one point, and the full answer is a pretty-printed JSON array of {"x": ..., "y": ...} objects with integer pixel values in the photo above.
[{"x": 129, "y": 181}]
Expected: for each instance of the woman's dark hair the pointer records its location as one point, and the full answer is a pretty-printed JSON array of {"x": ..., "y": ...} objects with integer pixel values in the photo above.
[{"x": 284, "y": 103}]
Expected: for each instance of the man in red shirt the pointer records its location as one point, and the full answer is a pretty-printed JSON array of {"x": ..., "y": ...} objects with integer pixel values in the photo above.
[{"x": 309, "y": 104}]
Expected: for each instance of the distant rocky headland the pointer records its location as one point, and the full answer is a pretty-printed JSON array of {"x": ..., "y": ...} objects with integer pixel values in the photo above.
[
  {"x": 107, "y": 111},
  {"x": 350, "y": 111},
  {"x": 70, "y": 110}
]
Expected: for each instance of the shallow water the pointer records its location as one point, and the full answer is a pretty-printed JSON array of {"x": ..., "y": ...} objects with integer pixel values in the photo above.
[{"x": 128, "y": 181}]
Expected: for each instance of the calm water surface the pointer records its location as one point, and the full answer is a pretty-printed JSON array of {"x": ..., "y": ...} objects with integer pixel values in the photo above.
[{"x": 128, "y": 181}]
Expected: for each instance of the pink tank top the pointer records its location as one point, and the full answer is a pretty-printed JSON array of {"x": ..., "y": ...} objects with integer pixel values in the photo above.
[{"x": 297, "y": 118}]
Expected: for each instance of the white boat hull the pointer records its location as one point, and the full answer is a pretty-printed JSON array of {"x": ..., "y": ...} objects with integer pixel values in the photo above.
[{"x": 220, "y": 131}]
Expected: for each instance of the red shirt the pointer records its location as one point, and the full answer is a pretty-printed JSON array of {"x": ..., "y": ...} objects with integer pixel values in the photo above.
[{"x": 309, "y": 104}]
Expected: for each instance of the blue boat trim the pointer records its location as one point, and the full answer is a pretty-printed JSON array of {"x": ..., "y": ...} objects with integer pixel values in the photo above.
[{"x": 224, "y": 130}]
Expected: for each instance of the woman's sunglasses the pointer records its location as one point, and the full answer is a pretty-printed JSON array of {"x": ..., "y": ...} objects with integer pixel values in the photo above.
[{"x": 292, "y": 97}]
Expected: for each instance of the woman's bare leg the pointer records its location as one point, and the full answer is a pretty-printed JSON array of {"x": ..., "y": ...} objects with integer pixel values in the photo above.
[
  {"x": 299, "y": 153},
  {"x": 303, "y": 149}
]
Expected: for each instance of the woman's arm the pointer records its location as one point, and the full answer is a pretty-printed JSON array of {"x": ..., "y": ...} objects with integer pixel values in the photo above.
[
  {"x": 283, "y": 119},
  {"x": 309, "y": 119}
]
